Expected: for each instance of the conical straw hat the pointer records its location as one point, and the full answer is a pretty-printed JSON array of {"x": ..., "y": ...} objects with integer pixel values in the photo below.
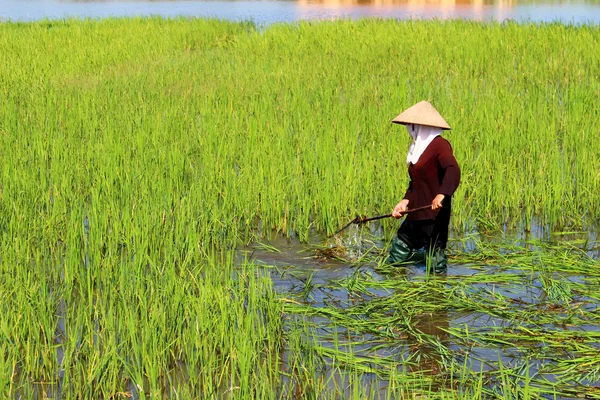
[{"x": 422, "y": 113}]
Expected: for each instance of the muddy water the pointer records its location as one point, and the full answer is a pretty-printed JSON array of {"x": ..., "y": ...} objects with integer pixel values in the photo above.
[{"x": 302, "y": 272}]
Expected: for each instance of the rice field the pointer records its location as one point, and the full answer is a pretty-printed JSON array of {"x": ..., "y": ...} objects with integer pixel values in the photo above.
[
  {"x": 145, "y": 164},
  {"x": 508, "y": 321}
]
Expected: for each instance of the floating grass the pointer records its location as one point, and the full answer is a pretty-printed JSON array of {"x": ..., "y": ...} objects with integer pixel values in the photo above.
[{"x": 528, "y": 329}]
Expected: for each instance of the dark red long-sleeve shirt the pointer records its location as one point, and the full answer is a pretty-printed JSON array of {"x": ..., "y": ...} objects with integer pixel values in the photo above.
[{"x": 436, "y": 172}]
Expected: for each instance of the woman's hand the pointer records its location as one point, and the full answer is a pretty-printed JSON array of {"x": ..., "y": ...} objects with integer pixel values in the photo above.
[
  {"x": 400, "y": 209},
  {"x": 437, "y": 202}
]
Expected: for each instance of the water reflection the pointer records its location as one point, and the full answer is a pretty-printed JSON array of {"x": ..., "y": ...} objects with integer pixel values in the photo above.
[
  {"x": 472, "y": 9},
  {"x": 268, "y": 12},
  {"x": 566, "y": 11},
  {"x": 393, "y": 3},
  {"x": 433, "y": 326}
]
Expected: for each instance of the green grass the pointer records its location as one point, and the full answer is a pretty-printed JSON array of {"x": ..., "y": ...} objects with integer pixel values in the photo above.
[{"x": 136, "y": 154}]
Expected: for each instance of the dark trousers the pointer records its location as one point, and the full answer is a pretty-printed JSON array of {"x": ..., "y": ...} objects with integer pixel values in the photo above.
[
  {"x": 426, "y": 234},
  {"x": 429, "y": 234}
]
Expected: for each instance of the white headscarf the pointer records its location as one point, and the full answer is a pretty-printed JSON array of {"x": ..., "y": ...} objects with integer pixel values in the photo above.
[{"x": 422, "y": 135}]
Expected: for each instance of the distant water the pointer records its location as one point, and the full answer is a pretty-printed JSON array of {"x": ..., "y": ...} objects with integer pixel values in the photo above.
[{"x": 268, "y": 12}]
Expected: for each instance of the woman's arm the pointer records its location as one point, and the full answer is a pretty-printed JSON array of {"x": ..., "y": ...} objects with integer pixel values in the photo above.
[
  {"x": 403, "y": 204},
  {"x": 449, "y": 165},
  {"x": 451, "y": 174},
  {"x": 400, "y": 208}
]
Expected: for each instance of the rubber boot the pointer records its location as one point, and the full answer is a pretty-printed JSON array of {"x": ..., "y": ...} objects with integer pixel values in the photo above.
[
  {"x": 400, "y": 252},
  {"x": 436, "y": 261}
]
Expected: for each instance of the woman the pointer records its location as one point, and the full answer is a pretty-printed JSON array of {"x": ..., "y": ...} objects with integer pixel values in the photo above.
[{"x": 434, "y": 176}]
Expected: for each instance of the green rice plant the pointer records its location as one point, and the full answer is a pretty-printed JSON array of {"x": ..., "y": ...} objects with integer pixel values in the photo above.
[
  {"x": 297, "y": 148},
  {"x": 137, "y": 154}
]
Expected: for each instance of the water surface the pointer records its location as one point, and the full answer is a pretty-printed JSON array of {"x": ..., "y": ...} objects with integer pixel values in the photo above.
[
  {"x": 511, "y": 301},
  {"x": 268, "y": 12}
]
